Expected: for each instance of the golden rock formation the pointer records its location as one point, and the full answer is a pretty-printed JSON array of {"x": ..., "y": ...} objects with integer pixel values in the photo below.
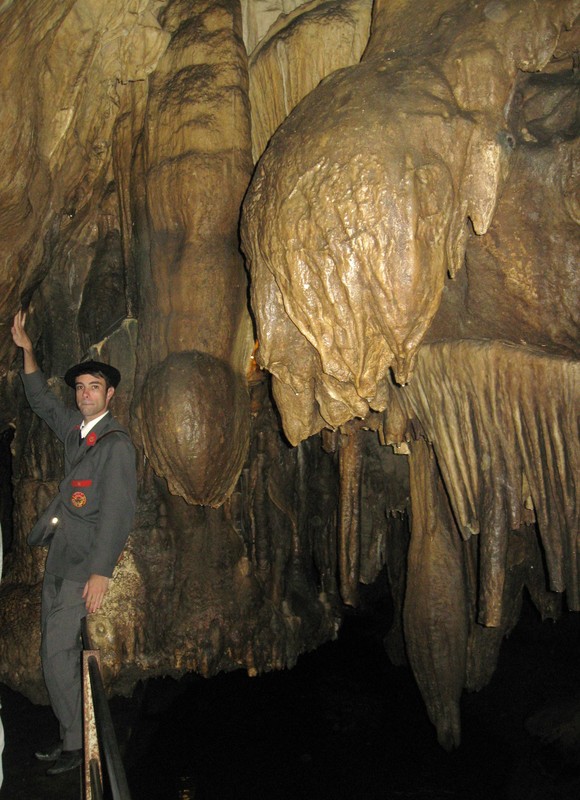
[
  {"x": 352, "y": 227},
  {"x": 411, "y": 236},
  {"x": 369, "y": 208}
]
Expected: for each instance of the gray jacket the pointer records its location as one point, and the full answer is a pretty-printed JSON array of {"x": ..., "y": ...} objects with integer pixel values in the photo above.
[{"x": 95, "y": 506}]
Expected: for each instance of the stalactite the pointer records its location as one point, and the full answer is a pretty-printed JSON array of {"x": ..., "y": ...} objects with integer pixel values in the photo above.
[
  {"x": 524, "y": 570},
  {"x": 297, "y": 53},
  {"x": 435, "y": 611},
  {"x": 124, "y": 146},
  {"x": 257, "y": 508},
  {"x": 384, "y": 499},
  {"x": 491, "y": 409},
  {"x": 351, "y": 463}
]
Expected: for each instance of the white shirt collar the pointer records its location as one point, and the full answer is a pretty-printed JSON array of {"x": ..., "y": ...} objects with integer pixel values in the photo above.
[{"x": 85, "y": 427}]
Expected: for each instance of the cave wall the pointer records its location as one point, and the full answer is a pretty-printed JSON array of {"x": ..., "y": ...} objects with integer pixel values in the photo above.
[
  {"x": 123, "y": 245},
  {"x": 384, "y": 376}
]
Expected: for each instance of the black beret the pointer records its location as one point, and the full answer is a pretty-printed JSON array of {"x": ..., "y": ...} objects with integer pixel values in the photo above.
[{"x": 92, "y": 368}]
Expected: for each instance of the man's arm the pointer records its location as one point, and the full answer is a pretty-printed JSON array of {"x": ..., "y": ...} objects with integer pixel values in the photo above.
[
  {"x": 40, "y": 398},
  {"x": 22, "y": 339}
]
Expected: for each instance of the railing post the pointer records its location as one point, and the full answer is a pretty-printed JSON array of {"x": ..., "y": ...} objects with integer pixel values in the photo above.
[
  {"x": 98, "y": 723},
  {"x": 91, "y": 740}
]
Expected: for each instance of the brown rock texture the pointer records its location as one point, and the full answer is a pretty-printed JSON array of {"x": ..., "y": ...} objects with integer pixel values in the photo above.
[
  {"x": 385, "y": 378},
  {"x": 66, "y": 70},
  {"x": 503, "y": 455}
]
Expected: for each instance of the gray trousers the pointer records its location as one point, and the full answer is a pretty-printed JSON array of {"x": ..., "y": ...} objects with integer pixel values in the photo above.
[{"x": 63, "y": 608}]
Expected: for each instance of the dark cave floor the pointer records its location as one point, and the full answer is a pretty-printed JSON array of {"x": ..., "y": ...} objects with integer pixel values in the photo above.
[{"x": 344, "y": 723}]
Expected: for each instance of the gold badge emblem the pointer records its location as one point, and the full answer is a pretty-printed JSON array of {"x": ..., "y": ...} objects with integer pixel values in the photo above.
[{"x": 79, "y": 499}]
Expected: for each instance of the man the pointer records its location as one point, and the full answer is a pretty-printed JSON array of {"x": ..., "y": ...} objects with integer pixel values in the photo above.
[{"x": 86, "y": 526}]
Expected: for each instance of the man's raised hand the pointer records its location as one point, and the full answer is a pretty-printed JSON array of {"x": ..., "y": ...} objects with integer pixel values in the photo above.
[{"x": 22, "y": 339}]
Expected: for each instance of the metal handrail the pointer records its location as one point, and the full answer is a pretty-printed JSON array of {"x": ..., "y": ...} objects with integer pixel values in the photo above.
[
  {"x": 96, "y": 784},
  {"x": 105, "y": 731}
]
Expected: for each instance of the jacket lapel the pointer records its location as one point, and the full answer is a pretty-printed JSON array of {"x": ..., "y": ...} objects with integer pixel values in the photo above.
[{"x": 91, "y": 438}]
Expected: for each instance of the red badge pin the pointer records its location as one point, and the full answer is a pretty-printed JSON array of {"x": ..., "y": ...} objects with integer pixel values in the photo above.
[
  {"x": 91, "y": 439},
  {"x": 78, "y": 499}
]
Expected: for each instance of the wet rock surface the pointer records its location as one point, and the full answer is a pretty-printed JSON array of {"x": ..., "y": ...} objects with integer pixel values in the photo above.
[{"x": 344, "y": 723}]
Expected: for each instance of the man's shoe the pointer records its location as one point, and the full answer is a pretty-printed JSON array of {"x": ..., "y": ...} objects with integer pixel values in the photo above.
[
  {"x": 68, "y": 759},
  {"x": 50, "y": 753}
]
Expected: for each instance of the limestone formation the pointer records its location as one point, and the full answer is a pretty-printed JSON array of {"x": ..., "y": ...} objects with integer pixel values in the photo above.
[
  {"x": 386, "y": 378},
  {"x": 436, "y": 145},
  {"x": 370, "y": 207},
  {"x": 195, "y": 166},
  {"x": 299, "y": 51},
  {"x": 67, "y": 70}
]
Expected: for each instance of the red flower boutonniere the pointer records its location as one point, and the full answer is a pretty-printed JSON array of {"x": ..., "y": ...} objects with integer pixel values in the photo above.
[{"x": 91, "y": 439}]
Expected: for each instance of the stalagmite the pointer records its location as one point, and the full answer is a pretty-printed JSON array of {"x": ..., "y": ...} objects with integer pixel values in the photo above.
[{"x": 197, "y": 137}]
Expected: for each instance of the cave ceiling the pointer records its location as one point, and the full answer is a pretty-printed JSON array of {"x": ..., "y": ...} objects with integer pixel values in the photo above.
[{"x": 332, "y": 247}]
